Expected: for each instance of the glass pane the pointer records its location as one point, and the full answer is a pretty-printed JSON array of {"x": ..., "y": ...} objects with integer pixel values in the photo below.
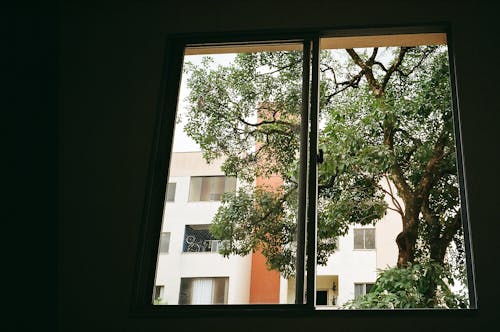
[
  {"x": 368, "y": 287},
  {"x": 235, "y": 165},
  {"x": 195, "y": 188},
  {"x": 170, "y": 192},
  {"x": 369, "y": 238},
  {"x": 389, "y": 183},
  {"x": 164, "y": 242},
  {"x": 359, "y": 290},
  {"x": 359, "y": 239}
]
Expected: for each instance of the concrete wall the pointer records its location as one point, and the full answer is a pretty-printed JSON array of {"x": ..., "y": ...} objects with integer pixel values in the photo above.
[{"x": 178, "y": 264}]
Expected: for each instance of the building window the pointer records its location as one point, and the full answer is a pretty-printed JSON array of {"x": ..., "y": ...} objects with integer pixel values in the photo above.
[
  {"x": 197, "y": 238},
  {"x": 203, "y": 290},
  {"x": 210, "y": 188},
  {"x": 361, "y": 289},
  {"x": 164, "y": 242},
  {"x": 364, "y": 238},
  {"x": 171, "y": 191}
]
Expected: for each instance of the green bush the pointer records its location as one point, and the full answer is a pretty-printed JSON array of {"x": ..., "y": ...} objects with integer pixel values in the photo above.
[{"x": 424, "y": 285}]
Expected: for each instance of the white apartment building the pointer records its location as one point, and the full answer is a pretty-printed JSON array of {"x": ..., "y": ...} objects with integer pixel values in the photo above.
[{"x": 191, "y": 271}]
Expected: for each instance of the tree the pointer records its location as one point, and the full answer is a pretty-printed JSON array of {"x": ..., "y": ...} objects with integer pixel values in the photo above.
[
  {"x": 408, "y": 287},
  {"x": 387, "y": 116}
]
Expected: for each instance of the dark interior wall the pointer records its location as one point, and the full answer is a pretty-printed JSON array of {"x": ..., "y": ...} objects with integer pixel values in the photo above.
[
  {"x": 28, "y": 109},
  {"x": 110, "y": 60}
]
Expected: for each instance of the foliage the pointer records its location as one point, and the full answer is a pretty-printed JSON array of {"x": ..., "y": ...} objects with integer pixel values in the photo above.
[
  {"x": 423, "y": 285},
  {"x": 258, "y": 217}
]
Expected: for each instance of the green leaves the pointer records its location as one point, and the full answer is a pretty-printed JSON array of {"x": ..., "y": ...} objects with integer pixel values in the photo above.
[
  {"x": 386, "y": 125},
  {"x": 260, "y": 218},
  {"x": 247, "y": 111},
  {"x": 423, "y": 285}
]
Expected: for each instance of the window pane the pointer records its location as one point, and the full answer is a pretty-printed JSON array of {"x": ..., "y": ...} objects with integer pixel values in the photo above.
[
  {"x": 359, "y": 289},
  {"x": 220, "y": 290},
  {"x": 388, "y": 186},
  {"x": 359, "y": 239},
  {"x": 203, "y": 291},
  {"x": 185, "y": 291},
  {"x": 197, "y": 238},
  {"x": 170, "y": 192},
  {"x": 195, "y": 188},
  {"x": 164, "y": 242},
  {"x": 210, "y": 188},
  {"x": 368, "y": 287},
  {"x": 234, "y": 163},
  {"x": 369, "y": 238}
]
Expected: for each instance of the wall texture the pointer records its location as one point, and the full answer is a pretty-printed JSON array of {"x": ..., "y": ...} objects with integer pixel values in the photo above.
[{"x": 109, "y": 70}]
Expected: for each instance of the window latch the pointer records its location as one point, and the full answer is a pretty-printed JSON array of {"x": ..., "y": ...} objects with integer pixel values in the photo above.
[{"x": 320, "y": 157}]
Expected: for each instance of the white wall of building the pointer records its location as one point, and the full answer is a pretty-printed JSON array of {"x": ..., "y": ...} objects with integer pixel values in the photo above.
[
  {"x": 347, "y": 265},
  {"x": 350, "y": 265},
  {"x": 177, "y": 264}
]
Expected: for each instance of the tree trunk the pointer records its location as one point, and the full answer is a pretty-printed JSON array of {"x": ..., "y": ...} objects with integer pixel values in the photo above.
[
  {"x": 407, "y": 239},
  {"x": 438, "y": 249}
]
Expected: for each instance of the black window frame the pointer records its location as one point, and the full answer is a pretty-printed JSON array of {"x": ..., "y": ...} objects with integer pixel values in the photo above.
[{"x": 141, "y": 304}]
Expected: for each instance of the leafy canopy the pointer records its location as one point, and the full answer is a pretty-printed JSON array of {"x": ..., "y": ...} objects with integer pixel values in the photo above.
[{"x": 387, "y": 134}]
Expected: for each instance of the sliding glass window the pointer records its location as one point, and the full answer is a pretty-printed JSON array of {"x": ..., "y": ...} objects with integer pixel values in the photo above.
[
  {"x": 318, "y": 173},
  {"x": 235, "y": 161}
]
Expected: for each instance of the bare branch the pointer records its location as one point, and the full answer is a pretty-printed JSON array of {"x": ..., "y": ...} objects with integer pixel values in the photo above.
[
  {"x": 367, "y": 70},
  {"x": 431, "y": 169},
  {"x": 394, "y": 66},
  {"x": 393, "y": 196},
  {"x": 279, "y": 69}
]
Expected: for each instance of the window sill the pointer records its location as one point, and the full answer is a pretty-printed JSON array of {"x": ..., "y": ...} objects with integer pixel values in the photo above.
[{"x": 292, "y": 310}]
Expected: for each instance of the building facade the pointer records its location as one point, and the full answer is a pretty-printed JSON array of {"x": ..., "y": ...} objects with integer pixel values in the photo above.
[{"x": 191, "y": 271}]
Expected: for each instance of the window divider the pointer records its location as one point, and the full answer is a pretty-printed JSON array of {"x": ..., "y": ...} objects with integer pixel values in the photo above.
[
  {"x": 302, "y": 196},
  {"x": 313, "y": 178}
]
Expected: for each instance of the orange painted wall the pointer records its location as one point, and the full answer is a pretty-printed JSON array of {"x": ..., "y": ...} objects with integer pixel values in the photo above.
[{"x": 264, "y": 284}]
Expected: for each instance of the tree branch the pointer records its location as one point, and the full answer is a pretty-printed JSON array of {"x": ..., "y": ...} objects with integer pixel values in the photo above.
[
  {"x": 279, "y": 69},
  {"x": 394, "y": 66},
  {"x": 394, "y": 199},
  {"x": 367, "y": 70},
  {"x": 430, "y": 173}
]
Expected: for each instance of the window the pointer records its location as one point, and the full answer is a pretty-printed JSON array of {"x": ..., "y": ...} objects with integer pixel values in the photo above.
[
  {"x": 197, "y": 238},
  {"x": 361, "y": 289},
  {"x": 171, "y": 191},
  {"x": 364, "y": 238},
  {"x": 354, "y": 152},
  {"x": 210, "y": 188},
  {"x": 164, "y": 242},
  {"x": 203, "y": 290}
]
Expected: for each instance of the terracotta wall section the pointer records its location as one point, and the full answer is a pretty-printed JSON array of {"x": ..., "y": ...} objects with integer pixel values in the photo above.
[{"x": 264, "y": 283}]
